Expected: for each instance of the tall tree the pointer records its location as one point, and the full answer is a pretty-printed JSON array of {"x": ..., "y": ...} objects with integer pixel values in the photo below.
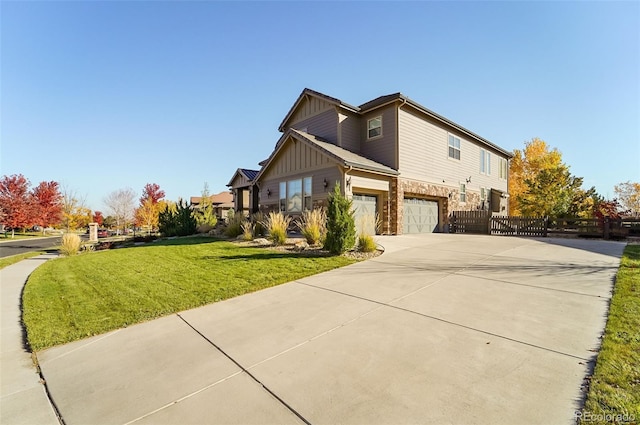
[
  {"x": 98, "y": 217},
  {"x": 121, "y": 203},
  {"x": 75, "y": 213},
  {"x": 16, "y": 202},
  {"x": 629, "y": 196},
  {"x": 151, "y": 191},
  {"x": 47, "y": 201}
]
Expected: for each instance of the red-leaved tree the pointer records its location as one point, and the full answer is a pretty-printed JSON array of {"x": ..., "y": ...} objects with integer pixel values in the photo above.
[
  {"x": 16, "y": 202},
  {"x": 98, "y": 218},
  {"x": 47, "y": 204},
  {"x": 151, "y": 191}
]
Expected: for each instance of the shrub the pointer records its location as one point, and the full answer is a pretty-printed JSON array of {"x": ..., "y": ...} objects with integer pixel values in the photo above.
[
  {"x": 70, "y": 244},
  {"x": 341, "y": 228},
  {"x": 247, "y": 230},
  {"x": 258, "y": 222},
  {"x": 177, "y": 221},
  {"x": 276, "y": 225},
  {"x": 234, "y": 224},
  {"x": 313, "y": 226},
  {"x": 366, "y": 243}
]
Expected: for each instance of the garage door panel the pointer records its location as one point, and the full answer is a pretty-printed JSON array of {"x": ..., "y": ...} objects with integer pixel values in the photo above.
[
  {"x": 420, "y": 216},
  {"x": 365, "y": 208}
]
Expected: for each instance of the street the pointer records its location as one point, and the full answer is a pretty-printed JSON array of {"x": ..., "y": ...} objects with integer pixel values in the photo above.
[{"x": 25, "y": 245}]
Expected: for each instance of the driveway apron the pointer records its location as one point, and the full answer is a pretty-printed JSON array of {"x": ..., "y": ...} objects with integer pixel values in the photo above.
[{"x": 439, "y": 329}]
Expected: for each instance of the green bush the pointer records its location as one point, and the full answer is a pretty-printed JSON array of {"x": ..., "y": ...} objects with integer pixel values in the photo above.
[
  {"x": 276, "y": 225},
  {"x": 70, "y": 244},
  {"x": 177, "y": 221},
  {"x": 366, "y": 243},
  {"x": 341, "y": 228},
  {"x": 313, "y": 226}
]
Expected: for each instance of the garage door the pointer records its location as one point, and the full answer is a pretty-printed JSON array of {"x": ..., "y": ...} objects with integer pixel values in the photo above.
[
  {"x": 420, "y": 216},
  {"x": 365, "y": 208}
]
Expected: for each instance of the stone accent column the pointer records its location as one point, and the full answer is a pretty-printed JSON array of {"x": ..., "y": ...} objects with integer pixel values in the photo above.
[
  {"x": 395, "y": 204},
  {"x": 93, "y": 232}
]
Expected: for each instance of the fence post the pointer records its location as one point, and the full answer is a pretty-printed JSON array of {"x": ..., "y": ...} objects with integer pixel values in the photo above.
[
  {"x": 606, "y": 228},
  {"x": 546, "y": 226}
]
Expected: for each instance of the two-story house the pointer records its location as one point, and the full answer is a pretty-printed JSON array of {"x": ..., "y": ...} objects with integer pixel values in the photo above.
[{"x": 396, "y": 159}]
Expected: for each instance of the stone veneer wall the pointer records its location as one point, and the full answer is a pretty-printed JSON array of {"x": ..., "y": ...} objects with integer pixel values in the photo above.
[{"x": 448, "y": 200}]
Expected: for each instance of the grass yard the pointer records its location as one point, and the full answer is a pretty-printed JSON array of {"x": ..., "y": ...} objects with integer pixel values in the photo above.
[
  {"x": 615, "y": 385},
  {"x": 71, "y": 298}
]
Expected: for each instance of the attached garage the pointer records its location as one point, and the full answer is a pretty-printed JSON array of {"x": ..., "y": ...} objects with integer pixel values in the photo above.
[
  {"x": 420, "y": 216},
  {"x": 365, "y": 208}
]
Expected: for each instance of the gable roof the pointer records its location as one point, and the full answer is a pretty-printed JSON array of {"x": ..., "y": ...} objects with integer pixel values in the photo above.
[
  {"x": 341, "y": 156},
  {"x": 308, "y": 92},
  {"x": 246, "y": 173}
]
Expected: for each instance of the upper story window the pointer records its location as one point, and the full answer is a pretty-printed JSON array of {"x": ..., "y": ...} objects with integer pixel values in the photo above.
[
  {"x": 504, "y": 168},
  {"x": 454, "y": 147},
  {"x": 374, "y": 127},
  {"x": 485, "y": 162}
]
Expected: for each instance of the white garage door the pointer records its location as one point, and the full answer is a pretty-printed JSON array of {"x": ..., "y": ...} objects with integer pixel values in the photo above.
[
  {"x": 420, "y": 216},
  {"x": 364, "y": 213}
]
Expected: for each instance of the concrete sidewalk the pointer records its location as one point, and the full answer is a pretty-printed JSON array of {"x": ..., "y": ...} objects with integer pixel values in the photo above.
[
  {"x": 440, "y": 329},
  {"x": 23, "y": 399}
]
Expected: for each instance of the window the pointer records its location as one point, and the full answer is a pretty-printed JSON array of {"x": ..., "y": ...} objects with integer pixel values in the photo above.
[
  {"x": 306, "y": 189},
  {"x": 463, "y": 192},
  {"x": 283, "y": 196},
  {"x": 374, "y": 127},
  {"x": 503, "y": 168},
  {"x": 454, "y": 147},
  {"x": 485, "y": 162},
  {"x": 295, "y": 195},
  {"x": 483, "y": 194}
]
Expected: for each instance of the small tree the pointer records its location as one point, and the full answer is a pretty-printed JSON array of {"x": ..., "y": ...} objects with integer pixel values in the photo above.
[
  {"x": 205, "y": 215},
  {"x": 341, "y": 227},
  {"x": 177, "y": 220},
  {"x": 16, "y": 202}
]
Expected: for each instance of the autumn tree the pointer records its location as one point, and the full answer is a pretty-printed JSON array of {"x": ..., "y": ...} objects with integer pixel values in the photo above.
[
  {"x": 121, "y": 203},
  {"x": 47, "y": 204},
  {"x": 75, "y": 213},
  {"x": 98, "y": 217},
  {"x": 16, "y": 202},
  {"x": 205, "y": 214},
  {"x": 150, "y": 206},
  {"x": 540, "y": 184},
  {"x": 629, "y": 196}
]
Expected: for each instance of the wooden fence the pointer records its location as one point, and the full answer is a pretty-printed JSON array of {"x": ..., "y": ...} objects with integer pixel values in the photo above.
[{"x": 482, "y": 222}]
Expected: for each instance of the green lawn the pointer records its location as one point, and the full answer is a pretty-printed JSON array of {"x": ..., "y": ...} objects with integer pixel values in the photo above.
[
  {"x": 71, "y": 298},
  {"x": 615, "y": 385}
]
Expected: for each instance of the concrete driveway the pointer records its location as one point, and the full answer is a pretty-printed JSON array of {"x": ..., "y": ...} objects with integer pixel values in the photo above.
[{"x": 440, "y": 329}]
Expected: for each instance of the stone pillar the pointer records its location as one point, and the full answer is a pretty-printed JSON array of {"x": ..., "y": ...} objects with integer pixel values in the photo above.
[
  {"x": 93, "y": 232},
  {"x": 395, "y": 203}
]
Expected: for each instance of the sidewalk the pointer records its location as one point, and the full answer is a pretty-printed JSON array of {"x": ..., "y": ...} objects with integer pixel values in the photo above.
[{"x": 23, "y": 399}]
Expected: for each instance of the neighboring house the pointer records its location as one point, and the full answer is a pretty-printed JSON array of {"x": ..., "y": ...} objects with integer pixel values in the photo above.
[
  {"x": 245, "y": 192},
  {"x": 398, "y": 161},
  {"x": 221, "y": 202}
]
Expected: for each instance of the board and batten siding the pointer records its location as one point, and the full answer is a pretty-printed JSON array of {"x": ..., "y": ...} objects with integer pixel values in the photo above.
[
  {"x": 424, "y": 155},
  {"x": 381, "y": 149}
]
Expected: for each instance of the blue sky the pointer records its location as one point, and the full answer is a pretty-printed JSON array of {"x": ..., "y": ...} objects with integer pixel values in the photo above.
[{"x": 107, "y": 95}]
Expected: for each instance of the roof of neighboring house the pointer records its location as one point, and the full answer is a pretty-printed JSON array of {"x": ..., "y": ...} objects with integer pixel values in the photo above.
[
  {"x": 342, "y": 156},
  {"x": 217, "y": 199},
  {"x": 384, "y": 100}
]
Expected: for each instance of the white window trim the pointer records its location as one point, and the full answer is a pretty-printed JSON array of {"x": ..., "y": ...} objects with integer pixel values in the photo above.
[
  {"x": 463, "y": 191},
  {"x": 503, "y": 162},
  {"x": 379, "y": 117},
  {"x": 459, "y": 148},
  {"x": 485, "y": 162}
]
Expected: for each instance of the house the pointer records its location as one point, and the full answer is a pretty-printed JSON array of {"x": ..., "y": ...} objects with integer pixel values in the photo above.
[
  {"x": 222, "y": 202},
  {"x": 405, "y": 167},
  {"x": 245, "y": 192}
]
